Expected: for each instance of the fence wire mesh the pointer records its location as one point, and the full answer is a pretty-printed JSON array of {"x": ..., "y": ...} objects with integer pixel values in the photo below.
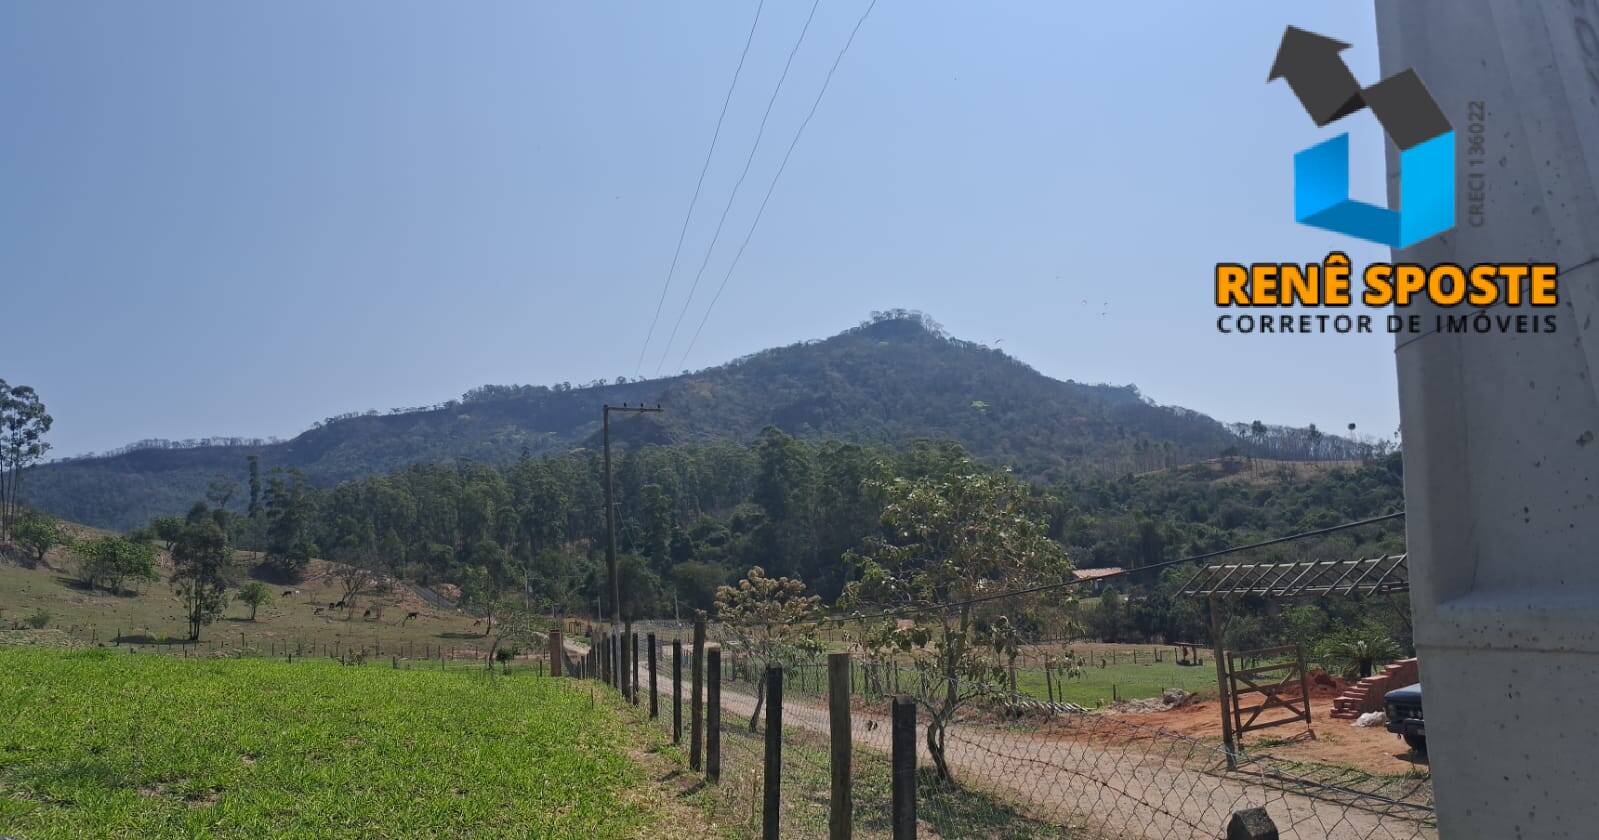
[{"x": 1018, "y": 767}]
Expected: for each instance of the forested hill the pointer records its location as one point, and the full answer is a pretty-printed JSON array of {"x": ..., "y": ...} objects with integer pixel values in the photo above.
[{"x": 894, "y": 378}]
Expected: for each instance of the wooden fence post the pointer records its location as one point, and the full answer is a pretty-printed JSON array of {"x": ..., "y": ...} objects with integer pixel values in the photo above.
[
  {"x": 655, "y": 706},
  {"x": 839, "y": 822},
  {"x": 557, "y": 652},
  {"x": 618, "y": 667},
  {"x": 773, "y": 801},
  {"x": 713, "y": 714},
  {"x": 626, "y": 643},
  {"x": 677, "y": 691},
  {"x": 904, "y": 761},
  {"x": 696, "y": 708},
  {"x": 634, "y": 637},
  {"x": 1222, "y": 687}
]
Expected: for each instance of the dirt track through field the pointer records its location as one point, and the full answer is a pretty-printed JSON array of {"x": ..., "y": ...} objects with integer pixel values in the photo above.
[{"x": 1115, "y": 780}]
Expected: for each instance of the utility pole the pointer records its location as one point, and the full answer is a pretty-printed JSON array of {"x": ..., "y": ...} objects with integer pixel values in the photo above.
[{"x": 610, "y": 504}]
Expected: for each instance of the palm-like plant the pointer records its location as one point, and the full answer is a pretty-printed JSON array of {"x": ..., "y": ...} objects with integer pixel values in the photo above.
[{"x": 1356, "y": 652}]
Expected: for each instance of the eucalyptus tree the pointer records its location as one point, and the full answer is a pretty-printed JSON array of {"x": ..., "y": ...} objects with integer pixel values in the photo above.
[{"x": 23, "y": 425}]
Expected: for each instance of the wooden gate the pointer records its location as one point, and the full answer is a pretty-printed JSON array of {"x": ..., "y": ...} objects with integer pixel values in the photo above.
[{"x": 1283, "y": 685}]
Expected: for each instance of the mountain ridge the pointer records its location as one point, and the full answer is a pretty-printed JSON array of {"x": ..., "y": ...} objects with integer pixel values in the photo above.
[{"x": 894, "y": 378}]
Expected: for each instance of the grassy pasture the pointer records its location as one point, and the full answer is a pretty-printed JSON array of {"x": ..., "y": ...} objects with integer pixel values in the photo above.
[
  {"x": 153, "y": 619},
  {"x": 1125, "y": 681},
  {"x": 1124, "y": 676},
  {"x": 96, "y": 744}
]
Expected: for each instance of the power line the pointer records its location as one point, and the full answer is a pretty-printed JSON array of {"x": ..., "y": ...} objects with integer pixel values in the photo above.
[
  {"x": 759, "y": 133},
  {"x": 1050, "y": 587},
  {"x": 676, "y": 252},
  {"x": 773, "y": 186}
]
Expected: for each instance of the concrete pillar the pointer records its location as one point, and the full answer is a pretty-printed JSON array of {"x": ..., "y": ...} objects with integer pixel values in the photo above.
[{"x": 1501, "y": 459}]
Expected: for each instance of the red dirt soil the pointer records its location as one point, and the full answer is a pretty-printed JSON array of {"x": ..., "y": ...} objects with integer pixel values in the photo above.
[{"x": 1372, "y": 749}]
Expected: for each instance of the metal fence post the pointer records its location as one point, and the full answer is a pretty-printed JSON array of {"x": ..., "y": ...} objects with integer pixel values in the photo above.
[
  {"x": 904, "y": 760},
  {"x": 839, "y": 825},
  {"x": 677, "y": 691},
  {"x": 773, "y": 801},
  {"x": 713, "y": 714},
  {"x": 696, "y": 708},
  {"x": 655, "y": 706}
]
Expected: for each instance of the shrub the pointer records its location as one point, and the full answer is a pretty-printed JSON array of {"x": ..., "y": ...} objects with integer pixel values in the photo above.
[
  {"x": 40, "y": 619},
  {"x": 1357, "y": 651}
]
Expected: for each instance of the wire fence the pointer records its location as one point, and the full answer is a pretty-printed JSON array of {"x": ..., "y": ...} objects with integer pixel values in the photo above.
[
  {"x": 401, "y": 654},
  {"x": 1013, "y": 766}
]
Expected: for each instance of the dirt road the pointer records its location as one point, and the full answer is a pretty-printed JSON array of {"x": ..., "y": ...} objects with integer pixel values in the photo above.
[{"x": 1110, "y": 776}]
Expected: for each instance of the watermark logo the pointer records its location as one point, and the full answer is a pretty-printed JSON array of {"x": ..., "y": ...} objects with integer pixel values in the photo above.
[{"x": 1408, "y": 114}]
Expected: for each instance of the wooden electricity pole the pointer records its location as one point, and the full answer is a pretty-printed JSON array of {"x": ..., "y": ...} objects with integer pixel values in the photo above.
[{"x": 610, "y": 505}]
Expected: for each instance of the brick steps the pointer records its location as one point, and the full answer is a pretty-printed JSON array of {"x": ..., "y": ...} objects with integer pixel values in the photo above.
[{"x": 1366, "y": 695}]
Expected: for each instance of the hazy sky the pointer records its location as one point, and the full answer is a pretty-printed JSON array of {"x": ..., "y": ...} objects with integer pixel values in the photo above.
[{"x": 228, "y": 218}]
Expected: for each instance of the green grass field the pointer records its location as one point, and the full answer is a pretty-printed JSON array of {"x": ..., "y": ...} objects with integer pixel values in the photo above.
[
  {"x": 101, "y": 745},
  {"x": 1125, "y": 681},
  {"x": 1121, "y": 678}
]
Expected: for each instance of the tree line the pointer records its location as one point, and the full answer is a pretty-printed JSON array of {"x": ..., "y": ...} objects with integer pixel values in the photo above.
[{"x": 692, "y": 518}]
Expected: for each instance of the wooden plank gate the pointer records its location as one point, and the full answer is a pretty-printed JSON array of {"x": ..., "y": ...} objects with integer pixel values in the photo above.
[{"x": 1283, "y": 685}]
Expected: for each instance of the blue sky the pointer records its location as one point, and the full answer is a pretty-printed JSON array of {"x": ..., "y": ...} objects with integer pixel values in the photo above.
[{"x": 220, "y": 218}]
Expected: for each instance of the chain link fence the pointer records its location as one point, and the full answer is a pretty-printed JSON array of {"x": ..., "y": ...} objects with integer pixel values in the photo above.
[{"x": 1017, "y": 767}]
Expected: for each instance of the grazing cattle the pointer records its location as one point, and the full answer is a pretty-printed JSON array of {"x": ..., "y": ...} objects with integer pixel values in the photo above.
[
  {"x": 318, "y": 611},
  {"x": 338, "y": 605},
  {"x": 288, "y": 592},
  {"x": 367, "y": 614},
  {"x": 408, "y": 617},
  {"x": 477, "y": 623}
]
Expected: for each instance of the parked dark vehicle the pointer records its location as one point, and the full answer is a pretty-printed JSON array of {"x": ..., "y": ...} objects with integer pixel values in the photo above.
[{"x": 1403, "y": 707}]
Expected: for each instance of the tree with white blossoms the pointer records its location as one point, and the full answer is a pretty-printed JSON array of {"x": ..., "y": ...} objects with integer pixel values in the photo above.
[
  {"x": 771, "y": 621},
  {"x": 948, "y": 539}
]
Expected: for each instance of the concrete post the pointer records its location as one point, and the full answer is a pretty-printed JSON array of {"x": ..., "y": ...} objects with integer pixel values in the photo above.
[{"x": 1501, "y": 459}]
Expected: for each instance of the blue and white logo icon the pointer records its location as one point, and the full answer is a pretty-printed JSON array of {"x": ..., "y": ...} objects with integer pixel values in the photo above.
[{"x": 1407, "y": 113}]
